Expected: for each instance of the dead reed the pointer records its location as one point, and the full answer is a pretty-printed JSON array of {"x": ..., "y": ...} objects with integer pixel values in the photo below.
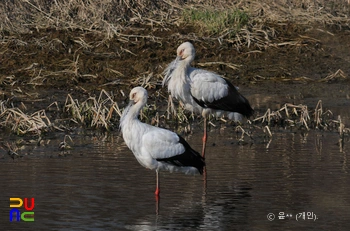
[
  {"x": 94, "y": 112},
  {"x": 12, "y": 149},
  {"x": 289, "y": 116},
  {"x": 103, "y": 112},
  {"x": 300, "y": 117},
  {"x": 242, "y": 22},
  {"x": 21, "y": 123},
  {"x": 339, "y": 75}
]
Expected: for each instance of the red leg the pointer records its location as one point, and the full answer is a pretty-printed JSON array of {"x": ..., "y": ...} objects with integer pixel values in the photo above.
[
  {"x": 157, "y": 193},
  {"x": 204, "y": 137},
  {"x": 157, "y": 185}
]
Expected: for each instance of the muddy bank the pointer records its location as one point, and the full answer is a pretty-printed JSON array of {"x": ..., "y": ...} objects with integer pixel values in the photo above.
[
  {"x": 66, "y": 59},
  {"x": 43, "y": 67}
]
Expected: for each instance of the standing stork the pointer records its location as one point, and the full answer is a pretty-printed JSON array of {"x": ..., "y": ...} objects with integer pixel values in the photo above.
[
  {"x": 156, "y": 148},
  {"x": 202, "y": 91}
]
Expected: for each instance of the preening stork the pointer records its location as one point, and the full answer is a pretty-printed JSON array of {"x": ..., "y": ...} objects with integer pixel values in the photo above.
[
  {"x": 202, "y": 91},
  {"x": 156, "y": 148}
]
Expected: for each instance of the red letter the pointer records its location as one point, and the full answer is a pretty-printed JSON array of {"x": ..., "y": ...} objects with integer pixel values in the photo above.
[{"x": 26, "y": 204}]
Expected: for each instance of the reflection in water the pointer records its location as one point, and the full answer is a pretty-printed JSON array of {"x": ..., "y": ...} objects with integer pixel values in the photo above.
[
  {"x": 214, "y": 211},
  {"x": 100, "y": 186}
]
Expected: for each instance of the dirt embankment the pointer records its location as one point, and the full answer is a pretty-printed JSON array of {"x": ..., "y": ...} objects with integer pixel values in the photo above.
[
  {"x": 46, "y": 64},
  {"x": 73, "y": 60}
]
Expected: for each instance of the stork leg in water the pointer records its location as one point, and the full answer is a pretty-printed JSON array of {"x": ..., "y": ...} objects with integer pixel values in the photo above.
[
  {"x": 204, "y": 139},
  {"x": 156, "y": 193},
  {"x": 157, "y": 184}
]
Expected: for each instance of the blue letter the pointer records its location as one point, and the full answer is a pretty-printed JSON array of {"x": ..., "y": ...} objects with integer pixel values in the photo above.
[{"x": 18, "y": 214}]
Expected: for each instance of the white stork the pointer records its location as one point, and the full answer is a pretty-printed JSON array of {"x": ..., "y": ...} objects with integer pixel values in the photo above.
[
  {"x": 202, "y": 91},
  {"x": 156, "y": 148}
]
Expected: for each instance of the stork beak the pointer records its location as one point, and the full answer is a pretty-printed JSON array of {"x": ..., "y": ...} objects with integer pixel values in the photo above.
[
  {"x": 178, "y": 58},
  {"x": 131, "y": 102}
]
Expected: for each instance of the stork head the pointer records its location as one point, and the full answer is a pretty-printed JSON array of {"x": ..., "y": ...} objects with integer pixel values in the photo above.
[
  {"x": 186, "y": 52},
  {"x": 138, "y": 94}
]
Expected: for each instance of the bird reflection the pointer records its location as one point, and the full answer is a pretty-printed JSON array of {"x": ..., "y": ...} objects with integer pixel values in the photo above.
[
  {"x": 157, "y": 198},
  {"x": 218, "y": 209}
]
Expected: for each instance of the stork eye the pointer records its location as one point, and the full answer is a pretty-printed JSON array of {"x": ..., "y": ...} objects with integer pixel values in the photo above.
[
  {"x": 133, "y": 95},
  {"x": 181, "y": 52}
]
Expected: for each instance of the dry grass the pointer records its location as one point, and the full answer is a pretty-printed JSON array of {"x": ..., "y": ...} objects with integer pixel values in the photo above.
[
  {"x": 147, "y": 80},
  {"x": 256, "y": 23},
  {"x": 111, "y": 17},
  {"x": 339, "y": 75},
  {"x": 64, "y": 144},
  {"x": 300, "y": 117},
  {"x": 21, "y": 123},
  {"x": 230, "y": 65},
  {"x": 294, "y": 117},
  {"x": 103, "y": 112},
  {"x": 94, "y": 112},
  {"x": 99, "y": 113},
  {"x": 107, "y": 17}
]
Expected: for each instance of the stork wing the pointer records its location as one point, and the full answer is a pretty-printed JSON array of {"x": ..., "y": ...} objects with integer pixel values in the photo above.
[
  {"x": 209, "y": 90},
  {"x": 207, "y": 86},
  {"x": 161, "y": 143}
]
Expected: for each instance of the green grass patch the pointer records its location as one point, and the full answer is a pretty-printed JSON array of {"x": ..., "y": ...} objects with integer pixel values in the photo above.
[{"x": 216, "y": 22}]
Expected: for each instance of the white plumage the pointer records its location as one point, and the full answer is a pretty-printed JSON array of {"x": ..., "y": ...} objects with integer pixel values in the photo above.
[
  {"x": 156, "y": 148},
  {"x": 203, "y": 91}
]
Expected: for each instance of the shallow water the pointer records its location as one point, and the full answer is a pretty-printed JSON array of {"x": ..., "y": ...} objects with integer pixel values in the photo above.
[{"x": 99, "y": 185}]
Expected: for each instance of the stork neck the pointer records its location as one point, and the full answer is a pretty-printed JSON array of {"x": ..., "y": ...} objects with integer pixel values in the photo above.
[
  {"x": 131, "y": 113},
  {"x": 182, "y": 71}
]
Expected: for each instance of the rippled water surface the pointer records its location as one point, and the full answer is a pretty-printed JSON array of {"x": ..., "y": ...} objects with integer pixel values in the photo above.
[{"x": 99, "y": 185}]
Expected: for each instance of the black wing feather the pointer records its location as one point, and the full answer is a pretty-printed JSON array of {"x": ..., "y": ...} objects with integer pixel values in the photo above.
[
  {"x": 190, "y": 158},
  {"x": 233, "y": 102}
]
